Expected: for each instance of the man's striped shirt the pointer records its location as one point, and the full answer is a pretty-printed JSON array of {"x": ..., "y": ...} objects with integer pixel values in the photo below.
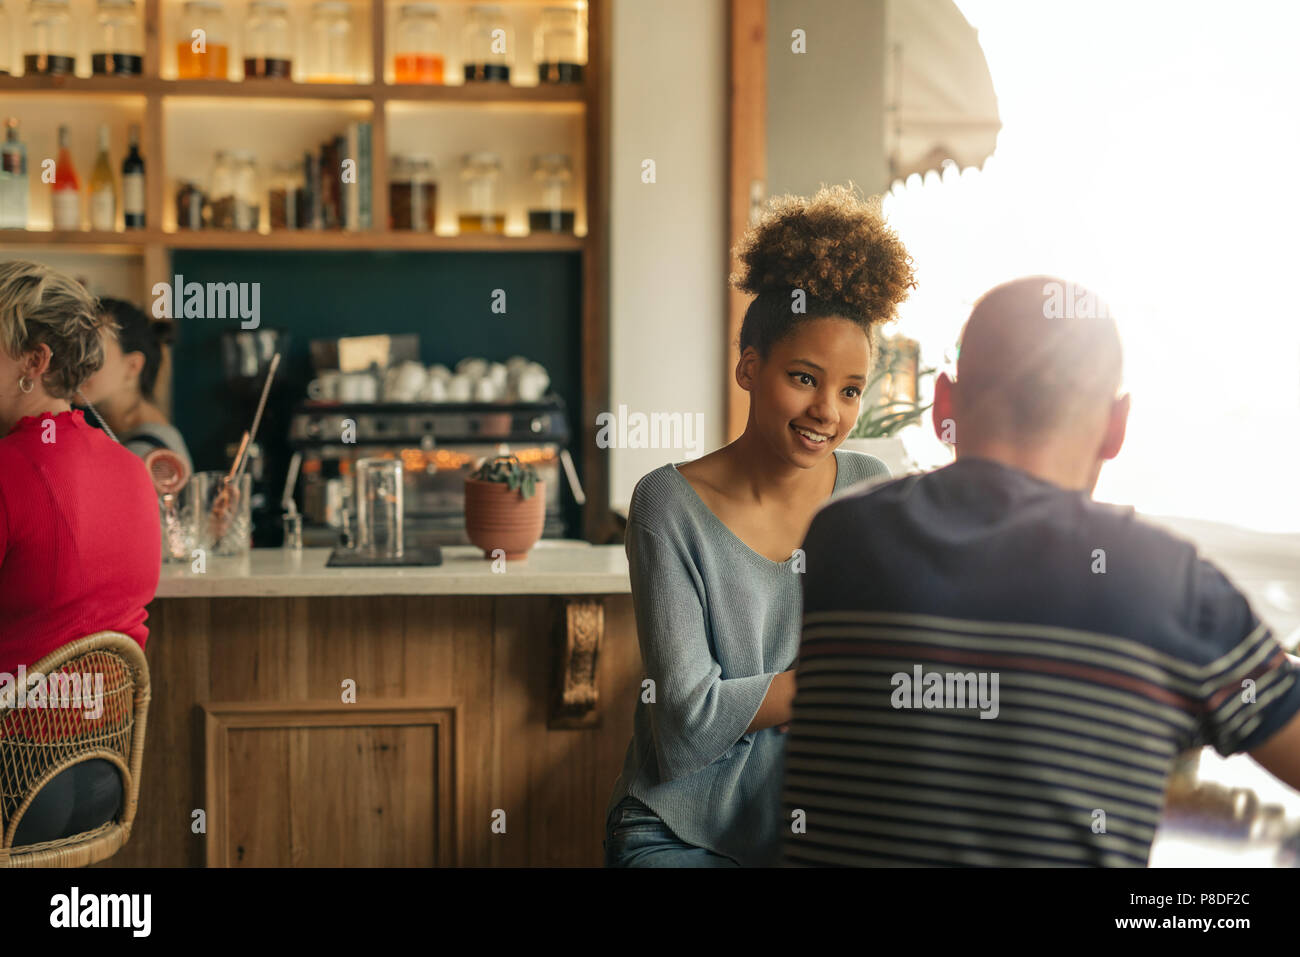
[{"x": 998, "y": 671}]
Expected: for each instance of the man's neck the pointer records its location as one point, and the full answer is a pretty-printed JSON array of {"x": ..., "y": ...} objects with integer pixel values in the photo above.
[{"x": 1051, "y": 462}]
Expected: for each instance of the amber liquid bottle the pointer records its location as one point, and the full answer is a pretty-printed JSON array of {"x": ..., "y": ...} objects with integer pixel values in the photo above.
[
  {"x": 211, "y": 63},
  {"x": 418, "y": 68}
]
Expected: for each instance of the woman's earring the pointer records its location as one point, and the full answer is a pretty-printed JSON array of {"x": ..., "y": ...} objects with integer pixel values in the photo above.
[{"x": 25, "y": 385}]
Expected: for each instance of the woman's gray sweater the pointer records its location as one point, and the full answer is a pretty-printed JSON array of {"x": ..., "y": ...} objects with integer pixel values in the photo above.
[{"x": 716, "y": 622}]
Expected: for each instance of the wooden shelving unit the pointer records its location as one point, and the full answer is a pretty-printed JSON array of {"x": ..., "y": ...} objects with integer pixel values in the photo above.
[
  {"x": 570, "y": 94},
  {"x": 154, "y": 96},
  {"x": 154, "y": 92},
  {"x": 139, "y": 240}
]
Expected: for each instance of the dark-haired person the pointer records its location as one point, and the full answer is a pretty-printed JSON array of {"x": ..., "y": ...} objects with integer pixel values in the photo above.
[
  {"x": 122, "y": 391},
  {"x": 997, "y": 670},
  {"x": 711, "y": 543},
  {"x": 80, "y": 546}
]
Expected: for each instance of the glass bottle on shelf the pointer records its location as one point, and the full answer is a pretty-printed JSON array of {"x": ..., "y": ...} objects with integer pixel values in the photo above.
[
  {"x": 480, "y": 212},
  {"x": 118, "y": 49},
  {"x": 203, "y": 43},
  {"x": 190, "y": 202},
  {"x": 13, "y": 179},
  {"x": 133, "y": 182},
  {"x": 551, "y": 210},
  {"x": 560, "y": 53},
  {"x": 285, "y": 196},
  {"x": 49, "y": 48},
  {"x": 487, "y": 45},
  {"x": 268, "y": 41},
  {"x": 412, "y": 194},
  {"x": 248, "y": 198},
  {"x": 418, "y": 44},
  {"x": 329, "y": 43},
  {"x": 65, "y": 196},
  {"x": 103, "y": 189},
  {"x": 221, "y": 192}
]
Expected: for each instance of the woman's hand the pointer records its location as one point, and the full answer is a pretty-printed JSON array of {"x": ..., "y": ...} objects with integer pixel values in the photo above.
[{"x": 783, "y": 728}]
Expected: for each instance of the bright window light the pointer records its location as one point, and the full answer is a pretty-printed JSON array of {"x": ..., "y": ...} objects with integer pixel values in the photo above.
[{"x": 1148, "y": 150}]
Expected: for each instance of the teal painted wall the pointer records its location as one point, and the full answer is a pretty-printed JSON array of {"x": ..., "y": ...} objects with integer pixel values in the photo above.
[{"x": 443, "y": 297}]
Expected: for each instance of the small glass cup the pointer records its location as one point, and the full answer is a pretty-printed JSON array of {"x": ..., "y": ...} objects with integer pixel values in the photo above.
[
  {"x": 293, "y": 531},
  {"x": 178, "y": 517},
  {"x": 233, "y": 536},
  {"x": 380, "y": 507}
]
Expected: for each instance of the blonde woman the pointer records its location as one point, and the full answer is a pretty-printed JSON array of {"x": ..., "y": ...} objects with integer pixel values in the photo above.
[{"x": 79, "y": 532}]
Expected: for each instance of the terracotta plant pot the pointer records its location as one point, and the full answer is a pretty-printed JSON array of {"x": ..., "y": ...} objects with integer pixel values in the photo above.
[{"x": 496, "y": 517}]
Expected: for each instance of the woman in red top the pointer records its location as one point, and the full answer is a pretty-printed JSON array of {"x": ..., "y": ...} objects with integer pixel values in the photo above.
[{"x": 80, "y": 546}]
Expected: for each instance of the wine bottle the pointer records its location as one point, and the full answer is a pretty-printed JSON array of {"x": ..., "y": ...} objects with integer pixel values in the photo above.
[
  {"x": 103, "y": 190},
  {"x": 133, "y": 183},
  {"x": 66, "y": 198},
  {"x": 13, "y": 179}
]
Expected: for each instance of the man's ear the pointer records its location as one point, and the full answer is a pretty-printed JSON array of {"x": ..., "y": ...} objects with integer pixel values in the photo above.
[
  {"x": 1116, "y": 427},
  {"x": 941, "y": 412},
  {"x": 747, "y": 368}
]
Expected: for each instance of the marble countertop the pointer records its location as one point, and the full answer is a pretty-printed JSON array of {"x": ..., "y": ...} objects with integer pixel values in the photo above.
[{"x": 553, "y": 567}]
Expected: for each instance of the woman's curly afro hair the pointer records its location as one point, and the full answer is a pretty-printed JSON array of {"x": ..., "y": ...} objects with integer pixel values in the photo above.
[{"x": 836, "y": 248}]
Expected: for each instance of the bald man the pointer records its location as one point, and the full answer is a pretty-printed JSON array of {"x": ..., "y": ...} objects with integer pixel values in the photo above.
[{"x": 997, "y": 670}]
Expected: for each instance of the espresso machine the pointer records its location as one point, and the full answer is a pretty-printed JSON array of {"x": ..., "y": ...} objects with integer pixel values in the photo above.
[{"x": 439, "y": 445}]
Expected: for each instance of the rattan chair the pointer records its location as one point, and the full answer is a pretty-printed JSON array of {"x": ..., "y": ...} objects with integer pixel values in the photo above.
[{"x": 38, "y": 743}]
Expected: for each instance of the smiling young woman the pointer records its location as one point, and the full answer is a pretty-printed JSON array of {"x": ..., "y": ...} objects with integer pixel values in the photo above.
[{"x": 712, "y": 543}]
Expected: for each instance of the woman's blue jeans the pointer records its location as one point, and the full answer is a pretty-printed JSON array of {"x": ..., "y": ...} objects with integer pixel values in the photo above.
[{"x": 636, "y": 836}]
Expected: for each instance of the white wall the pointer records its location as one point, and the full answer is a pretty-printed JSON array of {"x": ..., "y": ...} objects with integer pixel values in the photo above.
[
  {"x": 825, "y": 107},
  {"x": 668, "y": 262}
]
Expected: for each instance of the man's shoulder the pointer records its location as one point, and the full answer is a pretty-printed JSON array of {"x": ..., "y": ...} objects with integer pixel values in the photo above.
[{"x": 1086, "y": 517}]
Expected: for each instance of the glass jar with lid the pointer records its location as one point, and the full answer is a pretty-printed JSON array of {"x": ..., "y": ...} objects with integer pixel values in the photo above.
[
  {"x": 329, "y": 43},
  {"x": 551, "y": 210},
  {"x": 118, "y": 49},
  {"x": 412, "y": 194},
  {"x": 203, "y": 41},
  {"x": 560, "y": 49},
  {"x": 268, "y": 41},
  {"x": 286, "y": 195},
  {"x": 418, "y": 56},
  {"x": 480, "y": 210},
  {"x": 233, "y": 197},
  {"x": 487, "y": 45},
  {"x": 49, "y": 48}
]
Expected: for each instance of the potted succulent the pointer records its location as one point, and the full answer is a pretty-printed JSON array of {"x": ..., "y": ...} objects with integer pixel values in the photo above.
[{"x": 505, "y": 506}]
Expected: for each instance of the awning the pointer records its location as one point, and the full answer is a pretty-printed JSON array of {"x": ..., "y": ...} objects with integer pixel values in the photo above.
[{"x": 939, "y": 99}]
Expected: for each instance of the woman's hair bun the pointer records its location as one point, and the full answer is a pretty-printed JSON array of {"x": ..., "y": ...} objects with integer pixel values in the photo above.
[
  {"x": 164, "y": 331},
  {"x": 834, "y": 246}
]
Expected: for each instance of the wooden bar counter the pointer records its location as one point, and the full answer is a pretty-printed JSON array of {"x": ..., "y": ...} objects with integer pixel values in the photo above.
[{"x": 444, "y": 716}]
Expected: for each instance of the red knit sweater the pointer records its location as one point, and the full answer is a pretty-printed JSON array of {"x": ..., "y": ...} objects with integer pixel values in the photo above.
[{"x": 80, "y": 545}]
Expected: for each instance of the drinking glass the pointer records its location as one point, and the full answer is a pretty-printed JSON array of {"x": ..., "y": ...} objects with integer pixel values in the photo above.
[
  {"x": 178, "y": 516},
  {"x": 379, "y": 507},
  {"x": 233, "y": 537}
]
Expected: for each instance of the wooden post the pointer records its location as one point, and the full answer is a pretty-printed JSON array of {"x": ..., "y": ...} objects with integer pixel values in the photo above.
[{"x": 747, "y": 168}]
